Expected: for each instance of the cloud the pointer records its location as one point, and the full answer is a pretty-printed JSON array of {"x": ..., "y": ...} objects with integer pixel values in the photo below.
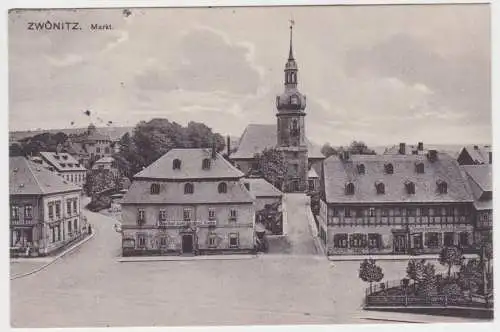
[{"x": 206, "y": 62}]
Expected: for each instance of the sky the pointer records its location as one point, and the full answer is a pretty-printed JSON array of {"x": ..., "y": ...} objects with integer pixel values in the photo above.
[{"x": 380, "y": 74}]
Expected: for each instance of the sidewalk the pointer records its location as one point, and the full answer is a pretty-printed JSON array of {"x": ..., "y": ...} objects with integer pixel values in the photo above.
[
  {"x": 135, "y": 259},
  {"x": 388, "y": 257},
  {"x": 28, "y": 266}
]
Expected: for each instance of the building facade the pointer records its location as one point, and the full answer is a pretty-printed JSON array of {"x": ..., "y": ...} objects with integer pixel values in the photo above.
[
  {"x": 481, "y": 185},
  {"x": 92, "y": 145},
  {"x": 44, "y": 209},
  {"x": 394, "y": 204},
  {"x": 65, "y": 165},
  {"x": 190, "y": 201},
  {"x": 288, "y": 136}
]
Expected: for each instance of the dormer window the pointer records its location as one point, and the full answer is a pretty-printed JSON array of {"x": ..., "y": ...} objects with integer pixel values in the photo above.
[
  {"x": 205, "y": 163},
  {"x": 442, "y": 186},
  {"x": 361, "y": 169},
  {"x": 222, "y": 188},
  {"x": 56, "y": 156},
  {"x": 389, "y": 168},
  {"x": 380, "y": 187},
  {"x": 176, "y": 164},
  {"x": 188, "y": 188},
  {"x": 410, "y": 187},
  {"x": 63, "y": 165},
  {"x": 419, "y": 167},
  {"x": 65, "y": 157},
  {"x": 155, "y": 188},
  {"x": 349, "y": 188}
]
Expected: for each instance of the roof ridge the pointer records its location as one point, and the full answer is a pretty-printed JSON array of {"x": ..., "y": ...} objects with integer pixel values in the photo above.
[{"x": 28, "y": 163}]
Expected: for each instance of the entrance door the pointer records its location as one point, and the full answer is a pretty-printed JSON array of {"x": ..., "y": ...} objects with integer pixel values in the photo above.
[
  {"x": 187, "y": 244},
  {"x": 399, "y": 243}
]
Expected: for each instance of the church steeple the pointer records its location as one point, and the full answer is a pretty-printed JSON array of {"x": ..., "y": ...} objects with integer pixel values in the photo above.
[{"x": 291, "y": 99}]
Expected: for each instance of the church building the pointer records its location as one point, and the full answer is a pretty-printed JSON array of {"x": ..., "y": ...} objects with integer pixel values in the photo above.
[{"x": 288, "y": 136}]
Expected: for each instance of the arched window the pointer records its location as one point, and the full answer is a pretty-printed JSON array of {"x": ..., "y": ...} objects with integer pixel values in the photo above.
[
  {"x": 188, "y": 188},
  {"x": 205, "y": 163},
  {"x": 349, "y": 188},
  {"x": 222, "y": 188},
  {"x": 176, "y": 164},
  {"x": 389, "y": 168},
  {"x": 361, "y": 169},
  {"x": 380, "y": 186},
  {"x": 155, "y": 188},
  {"x": 442, "y": 186},
  {"x": 410, "y": 187},
  {"x": 419, "y": 167}
]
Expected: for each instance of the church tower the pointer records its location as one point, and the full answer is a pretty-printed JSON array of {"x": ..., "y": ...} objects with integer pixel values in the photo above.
[{"x": 290, "y": 115}]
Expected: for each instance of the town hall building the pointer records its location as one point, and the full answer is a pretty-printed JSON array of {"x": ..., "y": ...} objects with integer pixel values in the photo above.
[{"x": 288, "y": 136}]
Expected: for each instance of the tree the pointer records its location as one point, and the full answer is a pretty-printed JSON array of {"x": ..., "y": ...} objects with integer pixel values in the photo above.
[
  {"x": 327, "y": 150},
  {"x": 370, "y": 272},
  {"x": 428, "y": 284},
  {"x": 359, "y": 147},
  {"x": 471, "y": 275},
  {"x": 271, "y": 165},
  {"x": 415, "y": 270},
  {"x": 451, "y": 256}
]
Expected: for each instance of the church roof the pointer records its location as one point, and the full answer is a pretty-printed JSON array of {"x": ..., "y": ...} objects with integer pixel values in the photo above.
[{"x": 258, "y": 137}]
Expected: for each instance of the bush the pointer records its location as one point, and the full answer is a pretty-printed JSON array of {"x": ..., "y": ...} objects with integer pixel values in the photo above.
[{"x": 99, "y": 203}]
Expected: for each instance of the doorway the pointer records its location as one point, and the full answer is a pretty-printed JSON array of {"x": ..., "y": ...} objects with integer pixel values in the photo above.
[
  {"x": 399, "y": 243},
  {"x": 187, "y": 244}
]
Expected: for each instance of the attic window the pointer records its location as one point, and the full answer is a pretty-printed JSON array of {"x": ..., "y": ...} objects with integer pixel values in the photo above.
[
  {"x": 205, "y": 164},
  {"x": 442, "y": 186},
  {"x": 361, "y": 169},
  {"x": 349, "y": 188},
  {"x": 389, "y": 168},
  {"x": 56, "y": 156},
  {"x": 222, "y": 188},
  {"x": 155, "y": 188},
  {"x": 410, "y": 187},
  {"x": 188, "y": 188},
  {"x": 380, "y": 187},
  {"x": 65, "y": 157},
  {"x": 176, "y": 164},
  {"x": 419, "y": 167},
  {"x": 63, "y": 165}
]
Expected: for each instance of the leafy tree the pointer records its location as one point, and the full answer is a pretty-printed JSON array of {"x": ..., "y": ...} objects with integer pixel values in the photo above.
[
  {"x": 272, "y": 166},
  {"x": 16, "y": 150},
  {"x": 327, "y": 150},
  {"x": 100, "y": 180},
  {"x": 359, "y": 147},
  {"x": 428, "y": 283},
  {"x": 370, "y": 272},
  {"x": 452, "y": 290},
  {"x": 415, "y": 270},
  {"x": 451, "y": 256},
  {"x": 471, "y": 275}
]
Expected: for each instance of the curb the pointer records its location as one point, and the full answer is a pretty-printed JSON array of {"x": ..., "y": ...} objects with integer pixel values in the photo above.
[
  {"x": 184, "y": 259},
  {"x": 67, "y": 251},
  {"x": 352, "y": 258}
]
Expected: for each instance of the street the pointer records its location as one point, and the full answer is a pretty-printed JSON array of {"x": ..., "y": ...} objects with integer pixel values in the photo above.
[{"x": 89, "y": 288}]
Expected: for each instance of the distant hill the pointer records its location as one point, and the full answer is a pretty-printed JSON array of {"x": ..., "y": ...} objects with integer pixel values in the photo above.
[{"x": 114, "y": 132}]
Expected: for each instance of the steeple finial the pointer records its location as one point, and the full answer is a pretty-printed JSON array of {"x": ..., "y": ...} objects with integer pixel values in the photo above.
[{"x": 290, "y": 54}]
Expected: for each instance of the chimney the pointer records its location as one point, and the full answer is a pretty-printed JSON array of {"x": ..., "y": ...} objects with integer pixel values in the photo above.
[
  {"x": 214, "y": 151},
  {"x": 432, "y": 155},
  {"x": 228, "y": 146},
  {"x": 402, "y": 148},
  {"x": 420, "y": 146}
]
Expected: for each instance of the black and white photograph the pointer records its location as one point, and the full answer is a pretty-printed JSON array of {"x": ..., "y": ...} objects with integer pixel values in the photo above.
[{"x": 250, "y": 165}]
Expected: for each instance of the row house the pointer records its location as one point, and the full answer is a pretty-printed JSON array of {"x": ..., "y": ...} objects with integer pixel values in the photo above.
[
  {"x": 393, "y": 204},
  {"x": 190, "y": 201},
  {"x": 44, "y": 208}
]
